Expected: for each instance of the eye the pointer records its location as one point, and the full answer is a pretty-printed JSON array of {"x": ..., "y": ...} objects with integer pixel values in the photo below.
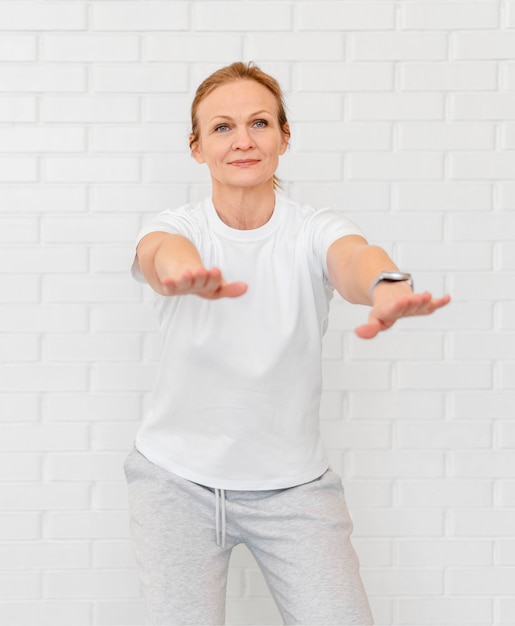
[
  {"x": 221, "y": 128},
  {"x": 260, "y": 123}
]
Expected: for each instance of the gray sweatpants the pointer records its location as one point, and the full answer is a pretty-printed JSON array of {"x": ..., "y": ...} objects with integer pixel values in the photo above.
[{"x": 183, "y": 534}]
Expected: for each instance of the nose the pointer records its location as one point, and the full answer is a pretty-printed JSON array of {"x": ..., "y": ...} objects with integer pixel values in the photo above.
[{"x": 242, "y": 139}]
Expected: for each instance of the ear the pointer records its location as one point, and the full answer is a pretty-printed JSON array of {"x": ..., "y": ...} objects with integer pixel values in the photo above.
[
  {"x": 286, "y": 138},
  {"x": 195, "y": 150}
]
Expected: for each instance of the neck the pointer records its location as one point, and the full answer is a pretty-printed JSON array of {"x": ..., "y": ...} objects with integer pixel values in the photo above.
[{"x": 242, "y": 208}]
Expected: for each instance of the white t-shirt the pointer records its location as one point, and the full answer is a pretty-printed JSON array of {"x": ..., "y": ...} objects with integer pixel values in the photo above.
[{"x": 236, "y": 401}]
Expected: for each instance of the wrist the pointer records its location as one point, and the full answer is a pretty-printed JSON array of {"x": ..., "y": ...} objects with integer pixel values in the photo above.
[{"x": 392, "y": 276}]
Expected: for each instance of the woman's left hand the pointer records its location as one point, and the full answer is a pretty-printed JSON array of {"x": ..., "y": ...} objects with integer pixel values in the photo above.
[{"x": 390, "y": 303}]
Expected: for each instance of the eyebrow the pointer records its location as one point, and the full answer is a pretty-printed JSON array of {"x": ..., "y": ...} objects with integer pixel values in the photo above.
[{"x": 229, "y": 118}]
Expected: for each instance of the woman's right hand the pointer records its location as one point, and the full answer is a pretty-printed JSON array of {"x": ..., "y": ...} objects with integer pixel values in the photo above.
[{"x": 172, "y": 266}]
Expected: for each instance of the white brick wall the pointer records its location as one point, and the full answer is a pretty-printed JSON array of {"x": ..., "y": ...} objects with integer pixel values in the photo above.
[{"x": 403, "y": 116}]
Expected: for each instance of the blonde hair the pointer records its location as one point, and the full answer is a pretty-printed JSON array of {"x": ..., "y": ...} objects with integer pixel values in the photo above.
[{"x": 233, "y": 73}]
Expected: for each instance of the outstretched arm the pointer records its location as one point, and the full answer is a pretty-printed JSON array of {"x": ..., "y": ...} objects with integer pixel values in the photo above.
[
  {"x": 172, "y": 266},
  {"x": 354, "y": 265}
]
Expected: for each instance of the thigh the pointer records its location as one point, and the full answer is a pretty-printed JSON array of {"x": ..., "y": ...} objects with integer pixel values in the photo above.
[
  {"x": 183, "y": 572},
  {"x": 304, "y": 550}
]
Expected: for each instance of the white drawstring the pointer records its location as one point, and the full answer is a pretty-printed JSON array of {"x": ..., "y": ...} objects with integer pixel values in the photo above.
[{"x": 220, "y": 514}]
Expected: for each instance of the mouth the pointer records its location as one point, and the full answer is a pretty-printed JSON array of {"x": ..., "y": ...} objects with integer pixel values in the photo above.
[{"x": 244, "y": 162}]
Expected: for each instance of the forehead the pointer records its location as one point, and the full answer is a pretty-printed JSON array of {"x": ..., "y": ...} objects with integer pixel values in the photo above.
[{"x": 237, "y": 98}]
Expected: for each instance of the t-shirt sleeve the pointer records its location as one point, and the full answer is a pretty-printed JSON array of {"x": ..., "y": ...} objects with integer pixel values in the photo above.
[
  {"x": 326, "y": 226},
  {"x": 172, "y": 221}
]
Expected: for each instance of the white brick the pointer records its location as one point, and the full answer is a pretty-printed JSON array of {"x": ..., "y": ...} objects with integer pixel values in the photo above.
[
  {"x": 478, "y": 464},
  {"x": 91, "y": 584},
  {"x": 507, "y": 552},
  {"x": 193, "y": 46},
  {"x": 119, "y": 436},
  {"x": 42, "y": 78},
  {"x": 507, "y": 314},
  {"x": 483, "y": 106},
  {"x": 342, "y": 137},
  {"x": 481, "y": 581},
  {"x": 87, "y": 525},
  {"x": 23, "y": 378},
  {"x": 89, "y": 48},
  {"x": 90, "y": 407},
  {"x": 489, "y": 165},
  {"x": 40, "y": 139},
  {"x": 443, "y": 552},
  {"x": 36, "y": 438},
  {"x": 506, "y": 610},
  {"x": 122, "y": 613},
  {"x": 396, "y": 106},
  {"x": 449, "y": 77},
  {"x": 45, "y": 613},
  {"x": 129, "y": 378},
  {"x": 87, "y": 347},
  {"x": 155, "y": 138},
  {"x": 345, "y": 77},
  {"x": 508, "y": 141},
  {"x": 180, "y": 168},
  {"x": 506, "y": 437},
  {"x": 486, "y": 345},
  {"x": 148, "y": 199},
  {"x": 448, "y": 196},
  {"x": 506, "y": 375},
  {"x": 361, "y": 197},
  {"x": 92, "y": 228},
  {"x": 482, "y": 405},
  {"x": 396, "y": 405},
  {"x": 450, "y": 16},
  {"x": 356, "y": 375},
  {"x": 304, "y": 107},
  {"x": 140, "y": 17},
  {"x": 47, "y": 16},
  {"x": 24, "y": 407},
  {"x": 377, "y": 166},
  {"x": 91, "y": 168},
  {"x": 109, "y": 554},
  {"x": 452, "y": 375},
  {"x": 399, "y": 46},
  {"x": 509, "y": 76},
  {"x": 491, "y": 226},
  {"x": 167, "y": 108},
  {"x": 42, "y": 555},
  {"x": 123, "y": 318},
  {"x": 111, "y": 495},
  {"x": 18, "y": 169},
  {"x": 369, "y": 493},
  {"x": 144, "y": 78},
  {"x": 396, "y": 463},
  {"x": 18, "y": 48},
  {"x": 15, "y": 586},
  {"x": 445, "y": 610},
  {"x": 85, "y": 467},
  {"x": 17, "y": 109},
  {"x": 495, "y": 44},
  {"x": 241, "y": 16},
  {"x": 446, "y": 136},
  {"x": 439, "y": 435},
  {"x": 90, "y": 109},
  {"x": 344, "y": 16},
  {"x": 19, "y": 526},
  {"x": 38, "y": 199},
  {"x": 28, "y": 497},
  {"x": 403, "y": 582},
  {"x": 483, "y": 286},
  {"x": 108, "y": 259},
  {"x": 11, "y": 293},
  {"x": 289, "y": 46},
  {"x": 311, "y": 167},
  {"x": 398, "y": 346},
  {"x": 19, "y": 347},
  {"x": 42, "y": 259},
  {"x": 455, "y": 256},
  {"x": 61, "y": 318},
  {"x": 356, "y": 434}
]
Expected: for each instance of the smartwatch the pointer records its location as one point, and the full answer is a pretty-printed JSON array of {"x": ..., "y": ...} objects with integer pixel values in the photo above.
[{"x": 392, "y": 277}]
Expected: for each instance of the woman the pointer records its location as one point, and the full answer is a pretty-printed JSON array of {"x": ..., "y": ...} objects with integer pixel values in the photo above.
[{"x": 230, "y": 451}]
